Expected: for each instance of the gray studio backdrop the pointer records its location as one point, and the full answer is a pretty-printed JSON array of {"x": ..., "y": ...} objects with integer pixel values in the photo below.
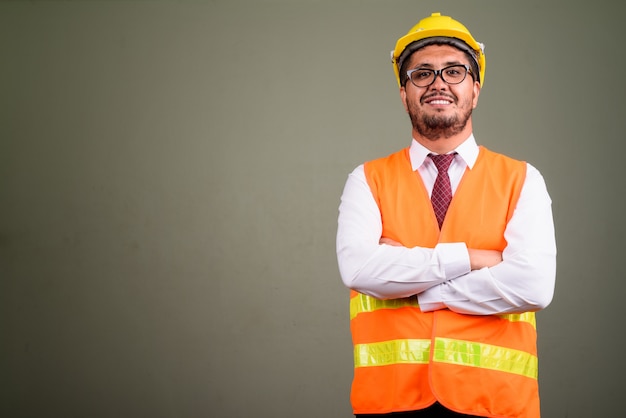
[{"x": 169, "y": 180}]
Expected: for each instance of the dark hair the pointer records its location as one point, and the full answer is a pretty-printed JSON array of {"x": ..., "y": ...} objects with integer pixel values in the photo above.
[{"x": 403, "y": 59}]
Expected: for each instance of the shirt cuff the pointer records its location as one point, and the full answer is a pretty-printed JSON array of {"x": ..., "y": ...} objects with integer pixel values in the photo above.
[
  {"x": 453, "y": 258},
  {"x": 430, "y": 299}
]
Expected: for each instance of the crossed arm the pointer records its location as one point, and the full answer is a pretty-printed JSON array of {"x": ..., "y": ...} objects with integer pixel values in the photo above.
[
  {"x": 472, "y": 281},
  {"x": 477, "y": 258}
]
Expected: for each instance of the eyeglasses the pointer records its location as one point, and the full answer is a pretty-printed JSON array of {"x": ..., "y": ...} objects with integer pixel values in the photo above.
[{"x": 424, "y": 77}]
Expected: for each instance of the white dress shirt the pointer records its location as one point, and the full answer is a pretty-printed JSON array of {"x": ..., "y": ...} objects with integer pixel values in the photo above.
[{"x": 441, "y": 277}]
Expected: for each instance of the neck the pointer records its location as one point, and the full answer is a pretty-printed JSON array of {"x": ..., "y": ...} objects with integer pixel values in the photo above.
[{"x": 444, "y": 144}]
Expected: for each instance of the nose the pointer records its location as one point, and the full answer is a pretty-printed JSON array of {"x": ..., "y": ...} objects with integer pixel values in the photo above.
[{"x": 438, "y": 82}]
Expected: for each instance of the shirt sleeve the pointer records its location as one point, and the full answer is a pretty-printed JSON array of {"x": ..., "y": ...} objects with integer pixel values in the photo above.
[
  {"x": 524, "y": 280},
  {"x": 387, "y": 271}
]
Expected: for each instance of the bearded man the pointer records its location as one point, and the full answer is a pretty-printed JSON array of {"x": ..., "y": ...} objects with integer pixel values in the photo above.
[{"x": 448, "y": 249}]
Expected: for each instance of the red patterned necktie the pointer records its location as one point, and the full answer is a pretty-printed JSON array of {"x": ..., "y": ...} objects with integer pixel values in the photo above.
[{"x": 442, "y": 191}]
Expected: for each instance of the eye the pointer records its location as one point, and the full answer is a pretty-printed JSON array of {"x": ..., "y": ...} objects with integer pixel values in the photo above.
[
  {"x": 422, "y": 74},
  {"x": 453, "y": 72}
]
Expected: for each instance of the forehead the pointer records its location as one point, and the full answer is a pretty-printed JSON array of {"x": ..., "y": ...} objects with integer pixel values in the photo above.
[{"x": 435, "y": 55}]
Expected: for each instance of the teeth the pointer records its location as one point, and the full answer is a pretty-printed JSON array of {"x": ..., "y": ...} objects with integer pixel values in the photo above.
[{"x": 440, "y": 102}]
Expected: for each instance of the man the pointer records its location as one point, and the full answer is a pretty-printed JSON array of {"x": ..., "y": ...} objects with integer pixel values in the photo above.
[{"x": 444, "y": 292}]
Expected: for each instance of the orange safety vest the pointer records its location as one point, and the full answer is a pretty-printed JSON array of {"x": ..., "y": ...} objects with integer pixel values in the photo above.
[{"x": 406, "y": 359}]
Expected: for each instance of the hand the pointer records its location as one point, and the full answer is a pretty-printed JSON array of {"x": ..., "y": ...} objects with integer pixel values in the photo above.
[
  {"x": 389, "y": 241},
  {"x": 483, "y": 258}
]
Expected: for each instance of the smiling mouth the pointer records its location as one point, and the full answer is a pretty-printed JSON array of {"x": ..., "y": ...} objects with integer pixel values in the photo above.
[{"x": 439, "y": 102}]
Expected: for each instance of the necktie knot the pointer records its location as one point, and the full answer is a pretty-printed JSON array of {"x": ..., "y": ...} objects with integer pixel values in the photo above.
[{"x": 442, "y": 161}]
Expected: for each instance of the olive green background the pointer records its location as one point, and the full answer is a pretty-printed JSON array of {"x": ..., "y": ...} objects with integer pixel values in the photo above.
[{"x": 169, "y": 180}]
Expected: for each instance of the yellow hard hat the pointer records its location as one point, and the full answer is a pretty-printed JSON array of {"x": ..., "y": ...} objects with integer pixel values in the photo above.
[{"x": 439, "y": 26}]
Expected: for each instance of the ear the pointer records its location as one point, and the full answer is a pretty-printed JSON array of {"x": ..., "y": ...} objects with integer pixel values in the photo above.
[
  {"x": 476, "y": 94},
  {"x": 403, "y": 97}
]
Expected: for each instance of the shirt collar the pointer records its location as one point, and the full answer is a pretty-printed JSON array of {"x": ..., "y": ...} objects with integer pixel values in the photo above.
[{"x": 468, "y": 151}]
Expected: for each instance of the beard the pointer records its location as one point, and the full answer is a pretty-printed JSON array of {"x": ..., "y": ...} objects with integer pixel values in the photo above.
[{"x": 437, "y": 126}]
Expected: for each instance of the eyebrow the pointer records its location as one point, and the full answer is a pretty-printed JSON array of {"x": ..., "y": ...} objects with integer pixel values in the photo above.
[{"x": 446, "y": 64}]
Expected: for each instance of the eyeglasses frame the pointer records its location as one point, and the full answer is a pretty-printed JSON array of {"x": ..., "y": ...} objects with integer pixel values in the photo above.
[{"x": 439, "y": 73}]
